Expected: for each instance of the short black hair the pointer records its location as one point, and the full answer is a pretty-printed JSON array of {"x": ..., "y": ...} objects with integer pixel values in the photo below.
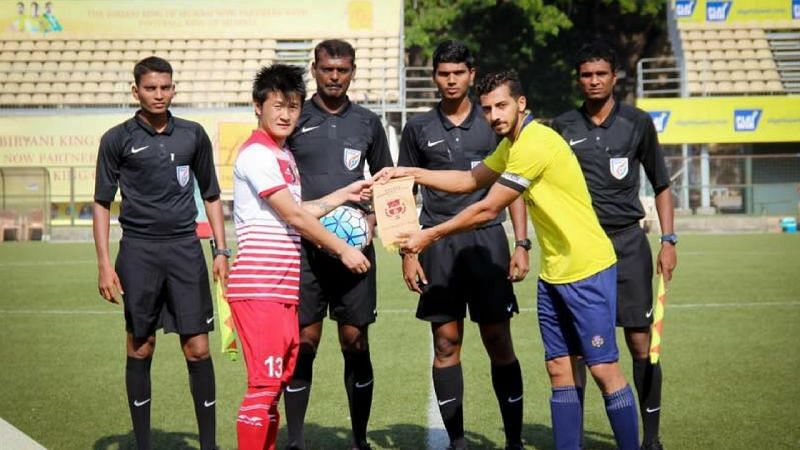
[
  {"x": 150, "y": 64},
  {"x": 281, "y": 78},
  {"x": 452, "y": 52},
  {"x": 494, "y": 80},
  {"x": 335, "y": 48},
  {"x": 595, "y": 51}
]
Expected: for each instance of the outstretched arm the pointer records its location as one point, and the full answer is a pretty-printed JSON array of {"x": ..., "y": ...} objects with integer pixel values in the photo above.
[
  {"x": 310, "y": 228},
  {"x": 498, "y": 198},
  {"x": 454, "y": 181},
  {"x": 356, "y": 192}
]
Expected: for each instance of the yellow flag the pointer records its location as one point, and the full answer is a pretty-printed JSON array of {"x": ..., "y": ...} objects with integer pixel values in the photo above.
[
  {"x": 227, "y": 330},
  {"x": 658, "y": 321}
]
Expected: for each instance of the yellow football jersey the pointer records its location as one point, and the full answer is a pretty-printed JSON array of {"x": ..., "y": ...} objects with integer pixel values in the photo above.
[{"x": 543, "y": 167}]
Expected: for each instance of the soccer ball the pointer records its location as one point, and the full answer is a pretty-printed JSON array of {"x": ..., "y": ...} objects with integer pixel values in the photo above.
[{"x": 348, "y": 224}]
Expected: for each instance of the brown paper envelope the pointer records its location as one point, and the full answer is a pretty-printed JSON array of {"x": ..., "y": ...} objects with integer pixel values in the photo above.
[{"x": 395, "y": 209}]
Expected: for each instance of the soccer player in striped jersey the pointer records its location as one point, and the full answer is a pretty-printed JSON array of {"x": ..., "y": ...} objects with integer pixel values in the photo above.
[{"x": 263, "y": 288}]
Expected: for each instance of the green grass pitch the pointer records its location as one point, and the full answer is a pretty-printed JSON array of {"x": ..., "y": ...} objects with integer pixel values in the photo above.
[{"x": 730, "y": 359}]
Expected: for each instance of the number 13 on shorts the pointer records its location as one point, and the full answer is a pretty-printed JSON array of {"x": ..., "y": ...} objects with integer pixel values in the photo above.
[{"x": 274, "y": 365}]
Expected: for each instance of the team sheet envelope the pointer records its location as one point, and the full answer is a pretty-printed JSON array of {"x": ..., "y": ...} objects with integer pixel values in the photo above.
[{"x": 395, "y": 209}]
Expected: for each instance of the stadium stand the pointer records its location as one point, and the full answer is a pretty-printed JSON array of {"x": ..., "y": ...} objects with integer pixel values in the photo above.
[
  {"x": 42, "y": 71},
  {"x": 722, "y": 59}
]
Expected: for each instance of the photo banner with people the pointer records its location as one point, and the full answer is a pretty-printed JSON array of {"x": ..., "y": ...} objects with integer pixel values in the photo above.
[{"x": 205, "y": 18}]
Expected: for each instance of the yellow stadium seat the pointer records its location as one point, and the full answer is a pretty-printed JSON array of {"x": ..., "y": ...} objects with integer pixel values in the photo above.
[
  {"x": 71, "y": 98},
  {"x": 766, "y": 63},
  {"x": 87, "y": 45},
  {"x": 774, "y": 86},
  {"x": 754, "y": 75},
  {"x": 731, "y": 54},
  {"x": 728, "y": 44},
  {"x": 55, "y": 98},
  {"x": 741, "y": 86},
  {"x": 24, "y": 99},
  {"x": 26, "y": 46},
  {"x": 738, "y": 75},
  {"x": 692, "y": 75},
  {"x": 57, "y": 45},
  {"x": 748, "y": 64},
  {"x": 763, "y": 53},
  {"x": 11, "y": 45},
  {"x": 119, "y": 44},
  {"x": 758, "y": 87},
  {"x": 725, "y": 34},
  {"x": 39, "y": 99},
  {"x": 756, "y": 33},
  {"x": 178, "y": 44},
  {"x": 7, "y": 98},
  {"x": 148, "y": 45},
  {"x": 747, "y": 54},
  {"x": 253, "y": 44}
]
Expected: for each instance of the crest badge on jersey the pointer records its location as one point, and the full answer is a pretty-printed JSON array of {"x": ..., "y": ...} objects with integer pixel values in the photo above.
[
  {"x": 182, "y": 172},
  {"x": 618, "y": 167},
  {"x": 351, "y": 158}
]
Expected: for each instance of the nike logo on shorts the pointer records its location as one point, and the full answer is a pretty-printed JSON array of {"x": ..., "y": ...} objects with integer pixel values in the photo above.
[
  {"x": 514, "y": 399},
  {"x": 209, "y": 403},
  {"x": 137, "y": 403},
  {"x": 302, "y": 388},
  {"x": 649, "y": 313},
  {"x": 444, "y": 402},
  {"x": 650, "y": 411},
  {"x": 210, "y": 319}
]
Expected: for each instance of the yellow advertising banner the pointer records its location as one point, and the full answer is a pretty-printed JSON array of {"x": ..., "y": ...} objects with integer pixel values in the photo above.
[
  {"x": 699, "y": 120},
  {"x": 205, "y": 18},
  {"x": 66, "y": 145},
  {"x": 730, "y": 11}
]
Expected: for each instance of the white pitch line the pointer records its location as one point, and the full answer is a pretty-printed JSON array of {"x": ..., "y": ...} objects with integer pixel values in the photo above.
[{"x": 14, "y": 439}]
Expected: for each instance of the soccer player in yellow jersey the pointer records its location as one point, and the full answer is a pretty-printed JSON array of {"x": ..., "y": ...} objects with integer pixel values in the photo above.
[{"x": 577, "y": 283}]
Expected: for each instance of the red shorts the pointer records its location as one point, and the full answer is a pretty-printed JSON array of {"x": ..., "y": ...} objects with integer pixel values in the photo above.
[{"x": 270, "y": 340}]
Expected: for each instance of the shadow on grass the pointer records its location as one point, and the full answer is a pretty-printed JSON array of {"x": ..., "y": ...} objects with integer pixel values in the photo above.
[
  {"x": 160, "y": 440},
  {"x": 541, "y": 437},
  {"x": 399, "y": 436}
]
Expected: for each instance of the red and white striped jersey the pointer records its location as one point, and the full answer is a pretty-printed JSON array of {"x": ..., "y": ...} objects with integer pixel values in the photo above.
[{"x": 267, "y": 265}]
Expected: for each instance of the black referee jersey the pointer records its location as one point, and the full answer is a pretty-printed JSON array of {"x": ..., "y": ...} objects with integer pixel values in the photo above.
[
  {"x": 432, "y": 141},
  {"x": 330, "y": 149},
  {"x": 610, "y": 155},
  {"x": 155, "y": 173}
]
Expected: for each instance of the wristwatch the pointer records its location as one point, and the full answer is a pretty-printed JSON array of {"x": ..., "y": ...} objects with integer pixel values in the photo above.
[
  {"x": 226, "y": 252},
  {"x": 671, "y": 238},
  {"x": 524, "y": 243}
]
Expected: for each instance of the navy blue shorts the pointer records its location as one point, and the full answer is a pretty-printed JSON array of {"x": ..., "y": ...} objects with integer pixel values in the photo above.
[{"x": 577, "y": 319}]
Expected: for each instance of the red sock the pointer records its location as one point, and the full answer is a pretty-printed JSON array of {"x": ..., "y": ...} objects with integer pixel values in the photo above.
[
  {"x": 254, "y": 422},
  {"x": 274, "y": 424}
]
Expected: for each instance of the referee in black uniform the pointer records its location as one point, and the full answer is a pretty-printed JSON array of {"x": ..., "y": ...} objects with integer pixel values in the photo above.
[
  {"x": 331, "y": 142},
  {"x": 612, "y": 140},
  {"x": 160, "y": 269},
  {"x": 474, "y": 268}
]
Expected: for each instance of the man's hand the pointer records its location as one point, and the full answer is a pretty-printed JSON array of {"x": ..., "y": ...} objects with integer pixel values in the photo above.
[
  {"x": 519, "y": 265},
  {"x": 108, "y": 284},
  {"x": 220, "y": 269},
  {"x": 354, "y": 260},
  {"x": 414, "y": 242},
  {"x": 413, "y": 273},
  {"x": 358, "y": 191},
  {"x": 667, "y": 261},
  {"x": 387, "y": 173}
]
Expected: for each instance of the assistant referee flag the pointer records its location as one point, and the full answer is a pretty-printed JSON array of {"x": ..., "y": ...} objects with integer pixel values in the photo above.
[
  {"x": 658, "y": 321},
  {"x": 227, "y": 328}
]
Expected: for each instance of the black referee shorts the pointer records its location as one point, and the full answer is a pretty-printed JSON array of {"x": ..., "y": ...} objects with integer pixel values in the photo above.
[
  {"x": 634, "y": 277},
  {"x": 469, "y": 268},
  {"x": 325, "y": 283},
  {"x": 166, "y": 285}
]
